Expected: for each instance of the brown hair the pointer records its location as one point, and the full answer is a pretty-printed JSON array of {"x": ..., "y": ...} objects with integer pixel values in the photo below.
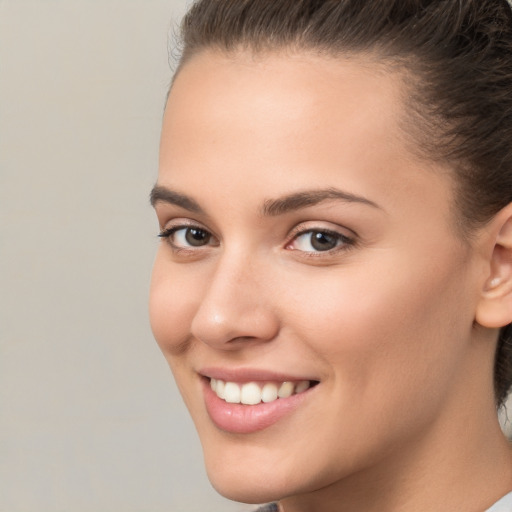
[{"x": 457, "y": 56}]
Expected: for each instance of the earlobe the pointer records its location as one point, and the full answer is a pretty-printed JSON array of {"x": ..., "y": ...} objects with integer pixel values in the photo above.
[{"x": 495, "y": 306}]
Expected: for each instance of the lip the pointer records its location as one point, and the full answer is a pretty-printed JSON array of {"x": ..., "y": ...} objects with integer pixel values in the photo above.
[
  {"x": 247, "y": 419},
  {"x": 242, "y": 375}
]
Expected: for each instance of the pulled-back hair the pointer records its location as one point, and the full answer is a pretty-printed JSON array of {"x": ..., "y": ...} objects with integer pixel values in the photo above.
[{"x": 455, "y": 57}]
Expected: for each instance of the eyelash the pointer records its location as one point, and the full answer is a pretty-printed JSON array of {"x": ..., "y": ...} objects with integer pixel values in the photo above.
[
  {"x": 343, "y": 242},
  {"x": 168, "y": 233}
]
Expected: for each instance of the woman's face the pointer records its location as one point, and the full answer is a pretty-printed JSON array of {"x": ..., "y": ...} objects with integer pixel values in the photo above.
[{"x": 305, "y": 244}]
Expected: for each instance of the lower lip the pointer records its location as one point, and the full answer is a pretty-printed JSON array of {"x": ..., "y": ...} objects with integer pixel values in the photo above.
[{"x": 246, "y": 419}]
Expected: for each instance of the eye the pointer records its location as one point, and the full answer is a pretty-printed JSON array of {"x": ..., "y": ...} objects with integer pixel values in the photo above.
[
  {"x": 185, "y": 237},
  {"x": 316, "y": 240}
]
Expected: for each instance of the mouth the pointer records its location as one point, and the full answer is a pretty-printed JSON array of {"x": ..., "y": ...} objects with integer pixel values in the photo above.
[
  {"x": 254, "y": 393},
  {"x": 250, "y": 402}
]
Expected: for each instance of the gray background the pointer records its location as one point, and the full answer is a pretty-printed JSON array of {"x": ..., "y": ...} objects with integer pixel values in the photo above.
[{"x": 89, "y": 417}]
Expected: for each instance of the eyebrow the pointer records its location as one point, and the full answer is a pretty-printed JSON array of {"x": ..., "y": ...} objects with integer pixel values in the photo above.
[
  {"x": 160, "y": 194},
  {"x": 271, "y": 207},
  {"x": 306, "y": 198}
]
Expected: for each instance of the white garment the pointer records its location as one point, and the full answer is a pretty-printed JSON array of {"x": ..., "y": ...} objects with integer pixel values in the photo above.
[{"x": 504, "y": 505}]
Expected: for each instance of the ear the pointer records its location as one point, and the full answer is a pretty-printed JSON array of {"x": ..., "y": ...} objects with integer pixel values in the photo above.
[{"x": 494, "y": 309}]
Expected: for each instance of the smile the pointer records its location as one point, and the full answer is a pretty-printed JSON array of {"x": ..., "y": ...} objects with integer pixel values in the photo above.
[
  {"x": 253, "y": 393},
  {"x": 250, "y": 403},
  {"x": 245, "y": 401}
]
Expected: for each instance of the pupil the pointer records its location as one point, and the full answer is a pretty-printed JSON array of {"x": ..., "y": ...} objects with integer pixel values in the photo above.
[
  {"x": 197, "y": 237},
  {"x": 323, "y": 241}
]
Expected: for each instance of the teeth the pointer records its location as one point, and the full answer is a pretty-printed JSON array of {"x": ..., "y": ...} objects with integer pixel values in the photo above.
[
  {"x": 232, "y": 393},
  {"x": 220, "y": 389},
  {"x": 285, "y": 390},
  {"x": 252, "y": 393},
  {"x": 302, "y": 386},
  {"x": 269, "y": 393}
]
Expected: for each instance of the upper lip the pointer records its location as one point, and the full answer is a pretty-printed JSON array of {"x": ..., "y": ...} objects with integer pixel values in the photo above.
[{"x": 250, "y": 375}]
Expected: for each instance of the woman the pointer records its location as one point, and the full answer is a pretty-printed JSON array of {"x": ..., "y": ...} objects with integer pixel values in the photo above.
[{"x": 334, "y": 283}]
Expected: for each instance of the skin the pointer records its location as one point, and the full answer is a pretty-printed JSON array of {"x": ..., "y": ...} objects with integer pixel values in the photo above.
[{"x": 398, "y": 323}]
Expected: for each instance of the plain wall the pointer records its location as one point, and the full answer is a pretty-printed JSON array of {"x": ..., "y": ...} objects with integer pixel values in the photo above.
[{"x": 90, "y": 419}]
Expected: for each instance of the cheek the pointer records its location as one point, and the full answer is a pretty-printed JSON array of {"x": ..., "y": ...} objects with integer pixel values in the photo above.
[
  {"x": 388, "y": 332},
  {"x": 173, "y": 301}
]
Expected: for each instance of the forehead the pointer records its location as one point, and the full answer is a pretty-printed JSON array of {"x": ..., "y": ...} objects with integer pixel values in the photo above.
[
  {"x": 257, "y": 94},
  {"x": 290, "y": 120}
]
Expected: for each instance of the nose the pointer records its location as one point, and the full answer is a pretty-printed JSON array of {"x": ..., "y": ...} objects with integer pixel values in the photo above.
[{"x": 236, "y": 306}]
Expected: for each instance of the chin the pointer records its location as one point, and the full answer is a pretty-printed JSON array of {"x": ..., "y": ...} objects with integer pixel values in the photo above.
[
  {"x": 254, "y": 473},
  {"x": 247, "y": 479},
  {"x": 246, "y": 486},
  {"x": 246, "y": 490}
]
